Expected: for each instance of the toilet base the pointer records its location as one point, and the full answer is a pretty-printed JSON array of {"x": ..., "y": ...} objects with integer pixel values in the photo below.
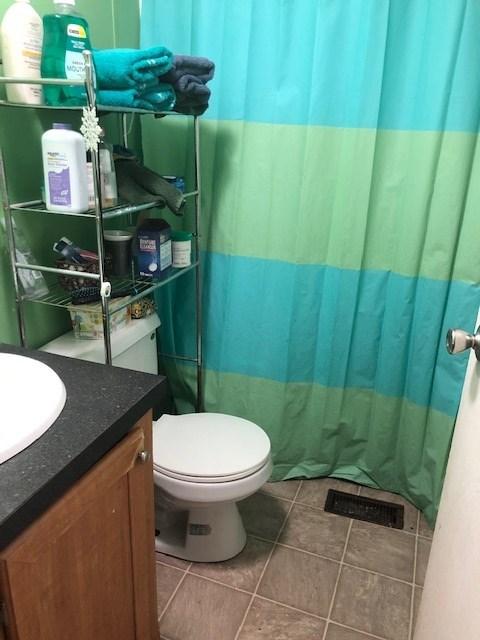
[{"x": 209, "y": 533}]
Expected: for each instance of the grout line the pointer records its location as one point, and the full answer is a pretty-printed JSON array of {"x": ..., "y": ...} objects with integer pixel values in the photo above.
[
  {"x": 365, "y": 633},
  {"x": 166, "y": 564},
  {"x": 346, "y": 564},
  {"x": 424, "y": 537},
  {"x": 171, "y": 598},
  {"x": 412, "y": 597},
  {"x": 313, "y": 615},
  {"x": 239, "y": 630},
  {"x": 289, "y": 606},
  {"x": 330, "y": 609},
  {"x": 157, "y": 559},
  {"x": 223, "y": 584},
  {"x": 376, "y": 573}
]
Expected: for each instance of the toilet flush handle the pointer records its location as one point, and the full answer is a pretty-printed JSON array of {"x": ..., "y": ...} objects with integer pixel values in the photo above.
[{"x": 143, "y": 456}]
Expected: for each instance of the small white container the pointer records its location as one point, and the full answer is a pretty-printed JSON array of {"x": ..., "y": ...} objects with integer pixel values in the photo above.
[
  {"x": 21, "y": 34},
  {"x": 65, "y": 169},
  {"x": 181, "y": 249}
]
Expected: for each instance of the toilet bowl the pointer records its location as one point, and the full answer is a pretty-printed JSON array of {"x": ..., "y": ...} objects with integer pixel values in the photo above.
[{"x": 203, "y": 464}]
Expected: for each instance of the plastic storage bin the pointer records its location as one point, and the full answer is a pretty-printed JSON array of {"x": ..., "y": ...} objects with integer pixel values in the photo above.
[{"x": 87, "y": 319}]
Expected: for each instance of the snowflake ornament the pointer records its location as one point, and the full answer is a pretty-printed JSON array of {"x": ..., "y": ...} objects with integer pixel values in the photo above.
[{"x": 90, "y": 128}]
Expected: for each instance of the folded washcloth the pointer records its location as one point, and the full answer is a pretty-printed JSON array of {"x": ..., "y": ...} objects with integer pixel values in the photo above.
[
  {"x": 202, "y": 68},
  {"x": 128, "y": 68},
  {"x": 162, "y": 98}
]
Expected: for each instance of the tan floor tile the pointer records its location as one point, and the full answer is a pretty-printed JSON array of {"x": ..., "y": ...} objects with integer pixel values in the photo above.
[
  {"x": 314, "y": 492},
  {"x": 173, "y": 562},
  {"x": 167, "y": 580},
  {"x": 381, "y": 549},
  {"x": 263, "y": 515},
  {"x": 372, "y": 603},
  {"x": 204, "y": 610},
  {"x": 416, "y": 604},
  {"x": 285, "y": 489},
  {"x": 316, "y": 531},
  {"x": 341, "y": 633},
  {"x": 410, "y": 512},
  {"x": 270, "y": 621},
  {"x": 423, "y": 552},
  {"x": 243, "y": 571},
  {"x": 424, "y": 528},
  {"x": 300, "y": 580}
]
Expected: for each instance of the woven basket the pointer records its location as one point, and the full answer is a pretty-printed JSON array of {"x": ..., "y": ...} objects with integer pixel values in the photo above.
[{"x": 70, "y": 283}]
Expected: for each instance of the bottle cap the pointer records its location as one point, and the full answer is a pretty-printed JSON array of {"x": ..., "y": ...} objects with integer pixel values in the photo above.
[
  {"x": 181, "y": 236},
  {"x": 62, "y": 125},
  {"x": 72, "y": 2}
]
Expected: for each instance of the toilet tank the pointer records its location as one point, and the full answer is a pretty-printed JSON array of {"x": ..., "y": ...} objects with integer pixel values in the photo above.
[{"x": 133, "y": 347}]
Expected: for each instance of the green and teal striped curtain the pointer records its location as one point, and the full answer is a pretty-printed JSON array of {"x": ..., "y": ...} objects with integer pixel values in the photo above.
[{"x": 341, "y": 225}]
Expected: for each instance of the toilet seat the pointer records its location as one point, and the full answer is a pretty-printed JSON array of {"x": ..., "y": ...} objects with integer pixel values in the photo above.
[{"x": 208, "y": 447}]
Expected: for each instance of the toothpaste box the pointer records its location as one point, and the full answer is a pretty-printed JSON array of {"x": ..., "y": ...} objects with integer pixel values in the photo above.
[{"x": 154, "y": 249}]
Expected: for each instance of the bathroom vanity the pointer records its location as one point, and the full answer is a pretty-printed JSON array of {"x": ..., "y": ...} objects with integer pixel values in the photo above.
[{"x": 77, "y": 515}]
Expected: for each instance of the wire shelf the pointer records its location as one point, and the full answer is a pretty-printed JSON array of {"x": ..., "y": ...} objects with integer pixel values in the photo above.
[
  {"x": 37, "y": 206},
  {"x": 57, "y": 296},
  {"x": 102, "y": 109}
]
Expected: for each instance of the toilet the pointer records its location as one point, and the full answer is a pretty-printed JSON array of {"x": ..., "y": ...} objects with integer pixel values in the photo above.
[{"x": 203, "y": 463}]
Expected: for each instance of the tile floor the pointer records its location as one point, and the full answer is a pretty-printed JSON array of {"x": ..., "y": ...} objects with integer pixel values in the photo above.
[{"x": 304, "y": 574}]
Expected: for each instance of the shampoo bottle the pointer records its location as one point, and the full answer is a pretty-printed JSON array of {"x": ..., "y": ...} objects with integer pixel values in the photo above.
[
  {"x": 21, "y": 32},
  {"x": 66, "y": 37},
  {"x": 65, "y": 169}
]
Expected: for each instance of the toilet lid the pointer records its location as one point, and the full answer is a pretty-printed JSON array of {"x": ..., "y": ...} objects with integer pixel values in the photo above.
[{"x": 208, "y": 447}]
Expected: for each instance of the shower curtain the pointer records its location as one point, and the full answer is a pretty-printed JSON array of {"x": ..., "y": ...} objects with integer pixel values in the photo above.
[{"x": 341, "y": 230}]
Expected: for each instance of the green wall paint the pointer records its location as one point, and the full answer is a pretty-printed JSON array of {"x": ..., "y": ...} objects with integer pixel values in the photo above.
[{"x": 20, "y": 132}]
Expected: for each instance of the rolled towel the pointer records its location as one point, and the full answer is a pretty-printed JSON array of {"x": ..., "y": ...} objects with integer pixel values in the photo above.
[
  {"x": 162, "y": 98},
  {"x": 202, "y": 68},
  {"x": 131, "y": 68}
]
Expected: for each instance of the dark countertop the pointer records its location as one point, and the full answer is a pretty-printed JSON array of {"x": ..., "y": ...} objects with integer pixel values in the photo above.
[{"x": 103, "y": 403}]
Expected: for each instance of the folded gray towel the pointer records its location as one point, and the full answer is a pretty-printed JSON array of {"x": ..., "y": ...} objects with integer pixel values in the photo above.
[{"x": 202, "y": 68}]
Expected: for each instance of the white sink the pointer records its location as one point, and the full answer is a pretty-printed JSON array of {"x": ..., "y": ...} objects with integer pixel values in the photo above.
[{"x": 32, "y": 396}]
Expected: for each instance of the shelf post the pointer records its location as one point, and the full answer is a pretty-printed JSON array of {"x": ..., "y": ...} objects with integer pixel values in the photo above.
[
  {"x": 90, "y": 85},
  {"x": 198, "y": 273}
]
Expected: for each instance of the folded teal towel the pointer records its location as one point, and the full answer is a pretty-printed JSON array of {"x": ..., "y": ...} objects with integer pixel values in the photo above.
[
  {"x": 128, "y": 68},
  {"x": 162, "y": 98}
]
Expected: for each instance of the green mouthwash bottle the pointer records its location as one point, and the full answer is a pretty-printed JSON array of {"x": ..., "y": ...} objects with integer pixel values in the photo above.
[{"x": 65, "y": 37}]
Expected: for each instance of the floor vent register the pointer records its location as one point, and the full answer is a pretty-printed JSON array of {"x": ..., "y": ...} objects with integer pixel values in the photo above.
[{"x": 386, "y": 514}]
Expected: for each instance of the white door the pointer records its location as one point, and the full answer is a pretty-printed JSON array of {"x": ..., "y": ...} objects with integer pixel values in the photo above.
[{"x": 450, "y": 608}]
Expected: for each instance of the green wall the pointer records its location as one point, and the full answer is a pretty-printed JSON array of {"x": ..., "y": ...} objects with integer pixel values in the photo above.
[{"x": 20, "y": 131}]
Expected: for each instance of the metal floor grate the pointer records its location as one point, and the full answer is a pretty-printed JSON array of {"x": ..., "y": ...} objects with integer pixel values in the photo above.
[{"x": 386, "y": 514}]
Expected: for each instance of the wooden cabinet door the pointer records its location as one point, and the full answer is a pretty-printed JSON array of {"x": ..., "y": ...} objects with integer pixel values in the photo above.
[{"x": 85, "y": 569}]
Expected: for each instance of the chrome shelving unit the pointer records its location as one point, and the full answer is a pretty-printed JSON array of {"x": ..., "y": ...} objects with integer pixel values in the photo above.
[{"x": 57, "y": 296}]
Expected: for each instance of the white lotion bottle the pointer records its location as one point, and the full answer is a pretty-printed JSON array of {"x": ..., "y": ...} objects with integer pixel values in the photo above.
[
  {"x": 21, "y": 34},
  {"x": 65, "y": 169}
]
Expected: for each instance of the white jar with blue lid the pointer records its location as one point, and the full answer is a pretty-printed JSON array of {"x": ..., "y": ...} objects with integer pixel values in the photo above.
[{"x": 65, "y": 169}]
